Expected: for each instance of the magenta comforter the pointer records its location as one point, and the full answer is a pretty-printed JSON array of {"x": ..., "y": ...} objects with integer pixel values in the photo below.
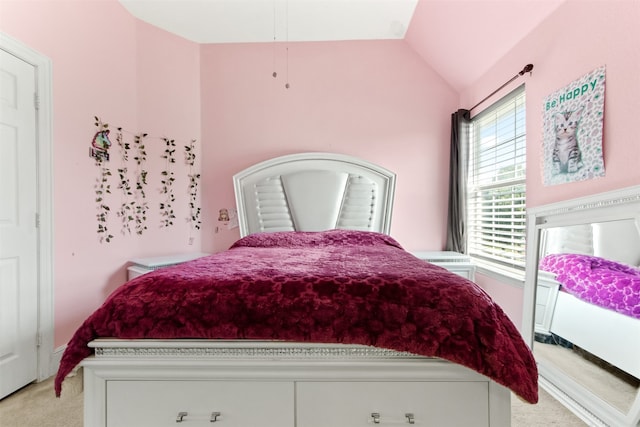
[
  {"x": 596, "y": 280},
  {"x": 330, "y": 287}
]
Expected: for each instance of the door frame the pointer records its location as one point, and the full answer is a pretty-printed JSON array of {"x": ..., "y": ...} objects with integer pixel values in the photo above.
[{"x": 44, "y": 149}]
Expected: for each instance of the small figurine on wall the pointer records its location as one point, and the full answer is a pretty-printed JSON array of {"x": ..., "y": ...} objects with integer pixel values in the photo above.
[
  {"x": 223, "y": 215},
  {"x": 229, "y": 216}
]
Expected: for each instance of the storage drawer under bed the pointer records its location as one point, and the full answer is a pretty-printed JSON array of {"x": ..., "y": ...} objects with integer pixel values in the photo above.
[
  {"x": 200, "y": 403},
  {"x": 301, "y": 404},
  {"x": 362, "y": 404}
]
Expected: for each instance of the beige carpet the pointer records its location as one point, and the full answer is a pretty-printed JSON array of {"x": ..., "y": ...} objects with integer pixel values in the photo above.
[
  {"x": 609, "y": 384},
  {"x": 36, "y": 406},
  {"x": 547, "y": 412}
]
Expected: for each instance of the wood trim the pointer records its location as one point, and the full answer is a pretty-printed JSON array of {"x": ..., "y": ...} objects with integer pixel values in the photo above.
[{"x": 44, "y": 98}]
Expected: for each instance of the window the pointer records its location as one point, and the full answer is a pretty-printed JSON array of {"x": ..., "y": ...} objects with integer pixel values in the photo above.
[{"x": 496, "y": 205}]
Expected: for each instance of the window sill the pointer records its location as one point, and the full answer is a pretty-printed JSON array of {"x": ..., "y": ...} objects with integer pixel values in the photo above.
[{"x": 510, "y": 276}]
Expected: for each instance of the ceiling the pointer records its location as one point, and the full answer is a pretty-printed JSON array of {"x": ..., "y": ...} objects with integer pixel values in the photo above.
[{"x": 464, "y": 25}]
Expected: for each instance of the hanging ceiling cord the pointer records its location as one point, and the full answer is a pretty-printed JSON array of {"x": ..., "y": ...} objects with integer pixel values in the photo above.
[
  {"x": 287, "y": 58},
  {"x": 275, "y": 74},
  {"x": 527, "y": 69}
]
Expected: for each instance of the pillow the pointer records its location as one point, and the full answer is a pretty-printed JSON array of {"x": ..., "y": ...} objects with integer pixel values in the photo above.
[{"x": 617, "y": 241}]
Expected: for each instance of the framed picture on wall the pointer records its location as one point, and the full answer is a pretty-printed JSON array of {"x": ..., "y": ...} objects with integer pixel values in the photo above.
[{"x": 572, "y": 134}]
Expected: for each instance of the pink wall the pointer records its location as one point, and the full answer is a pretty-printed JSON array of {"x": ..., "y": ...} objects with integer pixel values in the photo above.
[
  {"x": 106, "y": 63},
  {"x": 579, "y": 37},
  {"x": 376, "y": 100}
]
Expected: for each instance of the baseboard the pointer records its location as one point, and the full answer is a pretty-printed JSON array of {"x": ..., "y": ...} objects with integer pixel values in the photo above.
[{"x": 55, "y": 359}]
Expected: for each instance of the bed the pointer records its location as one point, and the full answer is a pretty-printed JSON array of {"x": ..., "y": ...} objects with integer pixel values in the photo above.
[
  {"x": 316, "y": 316},
  {"x": 598, "y": 307}
]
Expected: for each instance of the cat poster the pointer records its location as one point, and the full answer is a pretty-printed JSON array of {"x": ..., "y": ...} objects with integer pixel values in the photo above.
[{"x": 572, "y": 134}]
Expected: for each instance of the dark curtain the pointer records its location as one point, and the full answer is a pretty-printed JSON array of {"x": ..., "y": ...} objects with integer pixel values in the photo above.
[{"x": 457, "y": 217}]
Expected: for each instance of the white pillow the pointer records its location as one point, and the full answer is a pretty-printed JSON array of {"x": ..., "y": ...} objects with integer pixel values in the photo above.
[{"x": 617, "y": 240}]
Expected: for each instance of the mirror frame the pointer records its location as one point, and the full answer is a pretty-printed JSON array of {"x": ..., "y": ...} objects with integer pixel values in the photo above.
[{"x": 618, "y": 204}]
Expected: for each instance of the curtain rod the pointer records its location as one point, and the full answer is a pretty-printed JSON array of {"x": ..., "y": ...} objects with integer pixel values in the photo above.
[{"x": 527, "y": 69}]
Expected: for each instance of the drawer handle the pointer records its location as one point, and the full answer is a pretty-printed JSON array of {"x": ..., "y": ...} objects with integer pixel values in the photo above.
[
  {"x": 215, "y": 417},
  {"x": 411, "y": 419}
]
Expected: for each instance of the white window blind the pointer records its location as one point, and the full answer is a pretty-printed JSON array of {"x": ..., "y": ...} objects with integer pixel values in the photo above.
[{"x": 496, "y": 203}]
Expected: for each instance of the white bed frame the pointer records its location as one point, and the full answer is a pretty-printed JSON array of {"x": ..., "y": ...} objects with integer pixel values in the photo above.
[
  {"x": 314, "y": 192},
  {"x": 141, "y": 383},
  {"x": 601, "y": 332}
]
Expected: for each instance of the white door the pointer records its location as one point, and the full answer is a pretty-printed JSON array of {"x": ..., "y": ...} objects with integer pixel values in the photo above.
[{"x": 18, "y": 228}]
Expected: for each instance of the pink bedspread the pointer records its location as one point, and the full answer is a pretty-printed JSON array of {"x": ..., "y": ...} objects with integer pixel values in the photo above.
[
  {"x": 599, "y": 281},
  {"x": 330, "y": 287}
]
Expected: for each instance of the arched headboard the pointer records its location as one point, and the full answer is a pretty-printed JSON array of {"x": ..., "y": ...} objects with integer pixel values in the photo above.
[{"x": 314, "y": 192}]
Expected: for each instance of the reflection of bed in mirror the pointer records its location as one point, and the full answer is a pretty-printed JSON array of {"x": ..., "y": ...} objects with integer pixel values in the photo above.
[{"x": 587, "y": 304}]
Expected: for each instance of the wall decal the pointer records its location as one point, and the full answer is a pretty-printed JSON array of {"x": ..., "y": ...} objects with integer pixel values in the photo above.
[
  {"x": 166, "y": 207},
  {"x": 573, "y": 125},
  {"x": 99, "y": 151},
  {"x": 133, "y": 206},
  {"x": 132, "y": 181},
  {"x": 141, "y": 207},
  {"x": 194, "y": 182},
  {"x": 125, "y": 213},
  {"x": 100, "y": 144}
]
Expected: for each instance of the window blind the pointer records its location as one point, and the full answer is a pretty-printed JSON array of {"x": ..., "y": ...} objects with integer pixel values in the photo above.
[{"x": 496, "y": 192}]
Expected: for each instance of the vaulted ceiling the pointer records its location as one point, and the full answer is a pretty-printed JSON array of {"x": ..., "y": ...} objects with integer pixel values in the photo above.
[{"x": 459, "y": 39}]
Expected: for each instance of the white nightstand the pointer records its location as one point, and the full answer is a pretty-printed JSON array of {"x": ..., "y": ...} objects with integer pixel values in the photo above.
[
  {"x": 453, "y": 261},
  {"x": 141, "y": 266},
  {"x": 546, "y": 297}
]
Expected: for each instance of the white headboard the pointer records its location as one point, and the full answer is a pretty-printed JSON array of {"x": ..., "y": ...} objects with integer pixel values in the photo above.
[
  {"x": 314, "y": 192},
  {"x": 617, "y": 240}
]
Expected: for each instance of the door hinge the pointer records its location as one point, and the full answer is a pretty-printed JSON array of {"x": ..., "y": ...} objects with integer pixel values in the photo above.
[
  {"x": 36, "y": 101},
  {"x": 37, "y": 220},
  {"x": 38, "y": 340}
]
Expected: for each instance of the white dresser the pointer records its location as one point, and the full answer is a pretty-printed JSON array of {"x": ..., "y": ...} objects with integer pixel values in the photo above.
[
  {"x": 546, "y": 297},
  {"x": 453, "y": 261}
]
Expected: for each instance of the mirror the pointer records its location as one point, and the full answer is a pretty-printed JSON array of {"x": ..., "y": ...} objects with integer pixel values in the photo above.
[{"x": 582, "y": 296}]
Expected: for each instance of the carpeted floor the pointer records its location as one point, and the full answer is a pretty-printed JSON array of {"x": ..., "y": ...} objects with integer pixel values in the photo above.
[
  {"x": 608, "y": 383},
  {"x": 36, "y": 406},
  {"x": 547, "y": 412}
]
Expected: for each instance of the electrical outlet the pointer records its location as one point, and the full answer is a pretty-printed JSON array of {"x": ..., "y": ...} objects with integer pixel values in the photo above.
[{"x": 190, "y": 241}]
